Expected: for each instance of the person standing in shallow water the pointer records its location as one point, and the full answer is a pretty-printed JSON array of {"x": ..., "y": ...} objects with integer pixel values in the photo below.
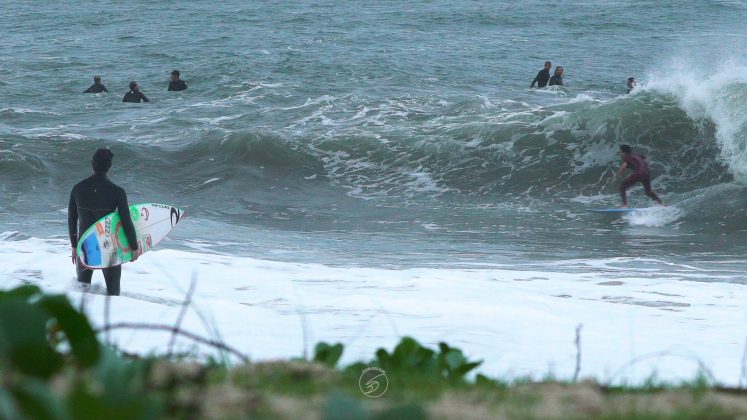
[
  {"x": 90, "y": 200},
  {"x": 134, "y": 95},
  {"x": 637, "y": 163},
  {"x": 176, "y": 84},
  {"x": 542, "y": 76},
  {"x": 97, "y": 86},
  {"x": 557, "y": 78}
]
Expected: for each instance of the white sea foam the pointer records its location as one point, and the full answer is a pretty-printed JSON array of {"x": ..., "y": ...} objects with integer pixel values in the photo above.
[
  {"x": 519, "y": 321},
  {"x": 654, "y": 216},
  {"x": 720, "y": 97}
]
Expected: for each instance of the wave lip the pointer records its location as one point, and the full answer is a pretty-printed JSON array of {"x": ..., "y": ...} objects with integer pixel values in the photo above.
[{"x": 720, "y": 98}]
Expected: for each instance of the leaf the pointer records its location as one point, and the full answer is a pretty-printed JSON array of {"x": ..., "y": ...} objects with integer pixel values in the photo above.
[
  {"x": 23, "y": 339},
  {"x": 463, "y": 369},
  {"x": 36, "y": 401},
  {"x": 21, "y": 292},
  {"x": 403, "y": 412},
  {"x": 454, "y": 359},
  {"x": 84, "y": 405},
  {"x": 384, "y": 359},
  {"x": 328, "y": 355},
  {"x": 83, "y": 342}
]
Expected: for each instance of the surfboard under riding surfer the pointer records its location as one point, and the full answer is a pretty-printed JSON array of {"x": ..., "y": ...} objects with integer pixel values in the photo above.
[{"x": 637, "y": 163}]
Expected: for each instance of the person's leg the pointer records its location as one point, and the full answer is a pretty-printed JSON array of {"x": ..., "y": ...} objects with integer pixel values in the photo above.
[
  {"x": 84, "y": 274},
  {"x": 627, "y": 183},
  {"x": 646, "y": 181},
  {"x": 112, "y": 276}
]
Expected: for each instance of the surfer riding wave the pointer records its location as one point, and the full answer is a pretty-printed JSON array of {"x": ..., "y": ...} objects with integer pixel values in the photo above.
[{"x": 637, "y": 163}]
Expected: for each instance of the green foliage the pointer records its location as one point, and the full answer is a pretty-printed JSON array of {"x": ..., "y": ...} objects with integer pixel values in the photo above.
[
  {"x": 29, "y": 319},
  {"x": 43, "y": 338},
  {"x": 328, "y": 354},
  {"x": 411, "y": 357}
]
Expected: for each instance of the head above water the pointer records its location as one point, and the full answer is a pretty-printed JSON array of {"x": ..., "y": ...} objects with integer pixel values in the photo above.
[
  {"x": 548, "y": 65},
  {"x": 625, "y": 149},
  {"x": 631, "y": 82},
  {"x": 102, "y": 160},
  {"x": 134, "y": 86},
  {"x": 97, "y": 79},
  {"x": 175, "y": 75},
  {"x": 559, "y": 70}
]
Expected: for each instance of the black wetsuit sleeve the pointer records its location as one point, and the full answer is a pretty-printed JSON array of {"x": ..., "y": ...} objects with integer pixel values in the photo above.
[
  {"x": 143, "y": 97},
  {"x": 104, "y": 89},
  {"x": 88, "y": 90},
  {"x": 72, "y": 219},
  {"x": 124, "y": 215},
  {"x": 536, "y": 79},
  {"x": 171, "y": 86}
]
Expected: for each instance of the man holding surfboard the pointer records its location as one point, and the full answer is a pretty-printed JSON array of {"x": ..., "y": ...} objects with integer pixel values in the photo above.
[
  {"x": 637, "y": 163},
  {"x": 90, "y": 200}
]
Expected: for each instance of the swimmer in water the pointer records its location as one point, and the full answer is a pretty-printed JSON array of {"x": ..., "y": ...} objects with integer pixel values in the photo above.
[
  {"x": 632, "y": 84},
  {"x": 97, "y": 86},
  {"x": 134, "y": 95},
  {"x": 557, "y": 78},
  {"x": 176, "y": 84},
  {"x": 542, "y": 76}
]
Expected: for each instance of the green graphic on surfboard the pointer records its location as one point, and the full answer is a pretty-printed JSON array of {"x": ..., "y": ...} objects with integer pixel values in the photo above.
[{"x": 105, "y": 244}]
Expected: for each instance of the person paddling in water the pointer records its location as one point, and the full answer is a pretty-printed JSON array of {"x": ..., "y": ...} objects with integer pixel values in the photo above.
[{"x": 637, "y": 163}]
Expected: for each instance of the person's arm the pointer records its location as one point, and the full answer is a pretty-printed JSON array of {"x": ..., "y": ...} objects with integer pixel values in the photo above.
[
  {"x": 143, "y": 97},
  {"x": 620, "y": 171},
  {"x": 72, "y": 223},
  {"x": 88, "y": 90},
  {"x": 123, "y": 208},
  {"x": 103, "y": 88},
  {"x": 171, "y": 84},
  {"x": 536, "y": 79}
]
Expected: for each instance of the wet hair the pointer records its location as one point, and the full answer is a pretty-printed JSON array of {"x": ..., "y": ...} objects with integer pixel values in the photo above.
[
  {"x": 626, "y": 149},
  {"x": 102, "y": 160},
  {"x": 547, "y": 62},
  {"x": 96, "y": 78},
  {"x": 175, "y": 73},
  {"x": 630, "y": 79},
  {"x": 133, "y": 85},
  {"x": 558, "y": 68}
]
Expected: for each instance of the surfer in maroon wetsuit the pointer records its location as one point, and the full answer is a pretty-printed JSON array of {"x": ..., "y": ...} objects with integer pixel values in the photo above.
[{"x": 637, "y": 163}]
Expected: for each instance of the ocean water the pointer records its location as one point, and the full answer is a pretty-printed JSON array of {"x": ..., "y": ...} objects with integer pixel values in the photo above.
[{"x": 356, "y": 171}]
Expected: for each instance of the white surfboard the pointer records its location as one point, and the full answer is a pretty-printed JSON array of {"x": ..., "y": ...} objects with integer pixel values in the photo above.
[{"x": 105, "y": 244}]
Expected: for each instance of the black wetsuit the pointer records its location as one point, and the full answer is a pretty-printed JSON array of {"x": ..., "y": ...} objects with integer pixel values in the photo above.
[
  {"x": 556, "y": 80},
  {"x": 177, "y": 85},
  {"x": 90, "y": 200},
  {"x": 96, "y": 88},
  {"x": 542, "y": 77},
  {"x": 135, "y": 97}
]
